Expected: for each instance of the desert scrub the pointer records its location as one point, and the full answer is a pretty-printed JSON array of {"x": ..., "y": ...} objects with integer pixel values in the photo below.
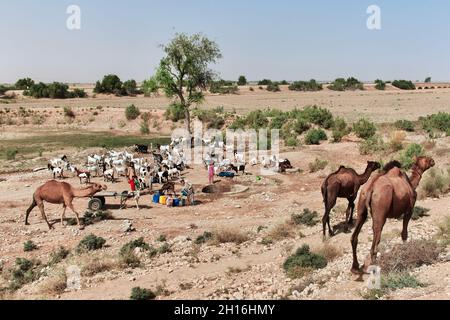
[
  {"x": 405, "y": 125},
  {"x": 91, "y": 243},
  {"x": 162, "y": 238},
  {"x": 364, "y": 129},
  {"x": 58, "y": 255},
  {"x": 128, "y": 255},
  {"x": 315, "y": 136},
  {"x": 132, "y": 112},
  {"x": 340, "y": 129},
  {"x": 11, "y": 154},
  {"x": 317, "y": 165},
  {"x": 436, "y": 183},
  {"x": 372, "y": 145},
  {"x": 230, "y": 236},
  {"x": 397, "y": 138},
  {"x": 410, "y": 255},
  {"x": 205, "y": 237},
  {"x": 418, "y": 212},
  {"x": 164, "y": 248},
  {"x": 29, "y": 246},
  {"x": 92, "y": 217},
  {"x": 407, "y": 156},
  {"x": 307, "y": 217},
  {"x": 25, "y": 271},
  {"x": 303, "y": 262},
  {"x": 69, "y": 113},
  {"x": 280, "y": 232},
  {"x": 141, "y": 294},
  {"x": 392, "y": 282},
  {"x": 444, "y": 232}
]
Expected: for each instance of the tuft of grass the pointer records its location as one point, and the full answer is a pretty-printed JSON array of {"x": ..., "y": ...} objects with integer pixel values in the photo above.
[
  {"x": 91, "y": 243},
  {"x": 127, "y": 253},
  {"x": 329, "y": 251},
  {"x": 280, "y": 232},
  {"x": 436, "y": 183},
  {"x": 307, "y": 217},
  {"x": 303, "y": 262},
  {"x": 25, "y": 271},
  {"x": 230, "y": 236},
  {"x": 91, "y": 217},
  {"x": 165, "y": 248},
  {"x": 11, "y": 153},
  {"x": 444, "y": 232},
  {"x": 141, "y": 294},
  {"x": 96, "y": 265},
  {"x": 162, "y": 238},
  {"x": 55, "y": 284},
  {"x": 205, "y": 237},
  {"x": 69, "y": 113},
  {"x": 29, "y": 246},
  {"x": 396, "y": 281}
]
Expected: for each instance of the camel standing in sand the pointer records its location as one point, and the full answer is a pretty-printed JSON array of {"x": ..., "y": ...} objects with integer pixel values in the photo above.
[
  {"x": 390, "y": 194},
  {"x": 60, "y": 193},
  {"x": 344, "y": 183}
]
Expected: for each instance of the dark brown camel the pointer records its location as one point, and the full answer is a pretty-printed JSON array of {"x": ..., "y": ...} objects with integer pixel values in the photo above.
[
  {"x": 389, "y": 194},
  {"x": 60, "y": 193},
  {"x": 344, "y": 183}
]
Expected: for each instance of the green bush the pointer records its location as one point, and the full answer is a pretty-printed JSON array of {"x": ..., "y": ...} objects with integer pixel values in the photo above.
[
  {"x": 29, "y": 246},
  {"x": 291, "y": 142},
  {"x": 212, "y": 118},
  {"x": 302, "y": 261},
  {"x": 25, "y": 271},
  {"x": 317, "y": 115},
  {"x": 24, "y": 84},
  {"x": 364, "y": 129},
  {"x": 150, "y": 87},
  {"x": 315, "y": 136},
  {"x": 372, "y": 145},
  {"x": 111, "y": 84},
  {"x": 140, "y": 294},
  {"x": 273, "y": 87},
  {"x": 397, "y": 281},
  {"x": 404, "y": 85},
  {"x": 264, "y": 82},
  {"x": 380, "y": 84},
  {"x": 342, "y": 84},
  {"x": 440, "y": 122},
  {"x": 256, "y": 120},
  {"x": 58, "y": 90},
  {"x": 11, "y": 154},
  {"x": 407, "y": 156},
  {"x": 79, "y": 93},
  {"x": 307, "y": 217},
  {"x": 91, "y": 243},
  {"x": 59, "y": 255},
  {"x": 39, "y": 90},
  {"x": 205, "y": 237},
  {"x": 405, "y": 125},
  {"x": 340, "y": 129},
  {"x": 242, "y": 81},
  {"x": 129, "y": 88},
  {"x": 127, "y": 252},
  {"x": 132, "y": 112},
  {"x": 175, "y": 112},
  {"x": 223, "y": 87},
  {"x": 311, "y": 85},
  {"x": 436, "y": 183},
  {"x": 144, "y": 127}
]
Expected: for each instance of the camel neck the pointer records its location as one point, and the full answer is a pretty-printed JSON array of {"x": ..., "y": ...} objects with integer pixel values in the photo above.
[
  {"x": 365, "y": 176},
  {"x": 416, "y": 176}
]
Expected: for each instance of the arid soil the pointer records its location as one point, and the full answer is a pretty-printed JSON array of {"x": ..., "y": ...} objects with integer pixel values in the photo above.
[{"x": 249, "y": 270}]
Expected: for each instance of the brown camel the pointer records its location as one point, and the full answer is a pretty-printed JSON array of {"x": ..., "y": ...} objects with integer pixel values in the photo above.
[
  {"x": 60, "y": 193},
  {"x": 389, "y": 194},
  {"x": 344, "y": 183}
]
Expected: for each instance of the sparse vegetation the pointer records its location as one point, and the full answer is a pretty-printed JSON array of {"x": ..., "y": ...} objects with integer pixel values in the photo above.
[
  {"x": 29, "y": 246},
  {"x": 140, "y": 294},
  {"x": 317, "y": 165},
  {"x": 342, "y": 84},
  {"x": 315, "y": 136},
  {"x": 404, "y": 85},
  {"x": 132, "y": 112},
  {"x": 364, "y": 129},
  {"x": 307, "y": 218},
  {"x": 58, "y": 255},
  {"x": 311, "y": 85},
  {"x": 230, "y": 236},
  {"x": 405, "y": 125},
  {"x": 407, "y": 156},
  {"x": 436, "y": 183},
  {"x": 91, "y": 243},
  {"x": 380, "y": 84},
  {"x": 303, "y": 262}
]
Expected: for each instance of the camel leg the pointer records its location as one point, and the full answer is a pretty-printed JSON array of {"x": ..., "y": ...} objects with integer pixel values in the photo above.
[
  {"x": 63, "y": 215},
  {"x": 378, "y": 225},
  {"x": 32, "y": 206},
  {"x": 406, "y": 219},
  {"x": 329, "y": 205},
  {"x": 362, "y": 217},
  {"x": 350, "y": 210},
  {"x": 77, "y": 215},
  {"x": 44, "y": 216}
]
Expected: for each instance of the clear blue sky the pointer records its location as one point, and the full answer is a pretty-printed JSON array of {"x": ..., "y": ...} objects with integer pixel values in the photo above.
[{"x": 285, "y": 39}]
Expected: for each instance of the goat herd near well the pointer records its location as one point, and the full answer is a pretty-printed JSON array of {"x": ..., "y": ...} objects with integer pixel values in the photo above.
[{"x": 387, "y": 193}]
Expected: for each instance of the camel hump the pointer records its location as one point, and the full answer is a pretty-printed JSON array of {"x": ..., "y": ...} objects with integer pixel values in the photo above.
[
  {"x": 394, "y": 172},
  {"x": 391, "y": 165}
]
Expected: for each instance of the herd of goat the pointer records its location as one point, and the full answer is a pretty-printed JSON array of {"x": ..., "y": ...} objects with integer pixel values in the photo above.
[{"x": 168, "y": 163}]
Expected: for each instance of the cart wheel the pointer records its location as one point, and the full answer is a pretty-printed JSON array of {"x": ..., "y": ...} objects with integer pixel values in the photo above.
[
  {"x": 103, "y": 200},
  {"x": 95, "y": 204}
]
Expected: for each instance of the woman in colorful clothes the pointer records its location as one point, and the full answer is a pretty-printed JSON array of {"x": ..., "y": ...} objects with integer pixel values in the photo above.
[{"x": 131, "y": 175}]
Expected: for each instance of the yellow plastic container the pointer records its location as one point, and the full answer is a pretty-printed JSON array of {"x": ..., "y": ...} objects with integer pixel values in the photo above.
[{"x": 163, "y": 200}]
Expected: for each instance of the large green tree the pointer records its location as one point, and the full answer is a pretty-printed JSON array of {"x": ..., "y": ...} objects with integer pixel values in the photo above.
[{"x": 184, "y": 72}]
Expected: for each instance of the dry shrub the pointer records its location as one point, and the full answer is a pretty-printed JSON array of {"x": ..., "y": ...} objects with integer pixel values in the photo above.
[
  {"x": 444, "y": 232},
  {"x": 95, "y": 265},
  {"x": 429, "y": 145},
  {"x": 397, "y": 139},
  {"x": 410, "y": 255},
  {"x": 282, "y": 231},
  {"x": 230, "y": 236},
  {"x": 436, "y": 183},
  {"x": 329, "y": 251},
  {"x": 55, "y": 285}
]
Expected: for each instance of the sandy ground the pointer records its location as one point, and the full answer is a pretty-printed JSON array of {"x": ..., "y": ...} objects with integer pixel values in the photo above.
[{"x": 206, "y": 272}]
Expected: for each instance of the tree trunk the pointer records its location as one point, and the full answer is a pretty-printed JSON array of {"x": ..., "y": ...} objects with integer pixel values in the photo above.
[{"x": 188, "y": 119}]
